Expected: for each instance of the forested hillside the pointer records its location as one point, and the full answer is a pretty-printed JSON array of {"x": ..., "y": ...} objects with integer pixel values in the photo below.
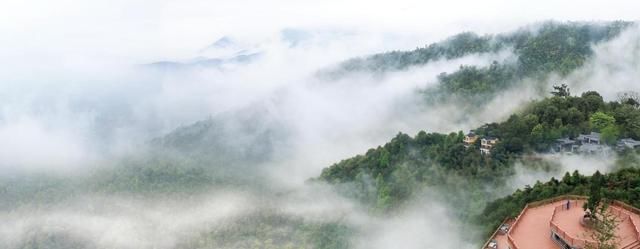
[
  {"x": 387, "y": 176},
  {"x": 539, "y": 50}
]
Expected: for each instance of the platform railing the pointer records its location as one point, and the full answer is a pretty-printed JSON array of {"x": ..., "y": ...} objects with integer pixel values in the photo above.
[
  {"x": 635, "y": 227},
  {"x": 512, "y": 243},
  {"x": 630, "y": 209},
  {"x": 622, "y": 212},
  {"x": 494, "y": 233},
  {"x": 571, "y": 240},
  {"x": 621, "y": 207},
  {"x": 568, "y": 238}
]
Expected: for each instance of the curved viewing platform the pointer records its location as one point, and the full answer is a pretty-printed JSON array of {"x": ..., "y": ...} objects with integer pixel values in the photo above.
[{"x": 556, "y": 223}]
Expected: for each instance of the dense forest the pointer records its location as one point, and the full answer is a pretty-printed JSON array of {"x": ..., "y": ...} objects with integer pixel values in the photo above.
[
  {"x": 271, "y": 230},
  {"x": 186, "y": 164},
  {"x": 541, "y": 50}
]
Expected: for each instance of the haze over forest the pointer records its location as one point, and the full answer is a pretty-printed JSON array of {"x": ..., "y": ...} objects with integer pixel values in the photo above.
[{"x": 289, "y": 124}]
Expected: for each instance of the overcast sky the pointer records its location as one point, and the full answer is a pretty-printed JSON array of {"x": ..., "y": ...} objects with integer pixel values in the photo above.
[{"x": 139, "y": 30}]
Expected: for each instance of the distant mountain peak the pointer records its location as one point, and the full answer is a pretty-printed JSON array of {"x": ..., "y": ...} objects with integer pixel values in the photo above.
[
  {"x": 223, "y": 42},
  {"x": 293, "y": 37}
]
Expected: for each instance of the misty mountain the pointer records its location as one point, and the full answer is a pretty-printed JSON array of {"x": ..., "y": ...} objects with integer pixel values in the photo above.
[
  {"x": 229, "y": 51},
  {"x": 550, "y": 48},
  {"x": 541, "y": 48},
  {"x": 229, "y": 149},
  {"x": 225, "y": 51},
  {"x": 250, "y": 136},
  {"x": 294, "y": 37},
  {"x": 539, "y": 52},
  {"x": 205, "y": 62},
  {"x": 224, "y": 42}
]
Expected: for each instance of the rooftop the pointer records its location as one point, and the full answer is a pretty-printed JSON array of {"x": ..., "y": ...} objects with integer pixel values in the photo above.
[
  {"x": 592, "y": 135},
  {"x": 629, "y": 142},
  {"x": 565, "y": 141},
  {"x": 592, "y": 148},
  {"x": 534, "y": 227}
]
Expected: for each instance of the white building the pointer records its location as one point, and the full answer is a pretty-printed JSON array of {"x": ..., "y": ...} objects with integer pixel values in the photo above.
[
  {"x": 591, "y": 138},
  {"x": 627, "y": 143},
  {"x": 487, "y": 144}
]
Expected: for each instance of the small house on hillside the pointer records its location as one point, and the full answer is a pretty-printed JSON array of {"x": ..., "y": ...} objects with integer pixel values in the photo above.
[
  {"x": 470, "y": 139},
  {"x": 565, "y": 145},
  {"x": 487, "y": 144},
  {"x": 627, "y": 143},
  {"x": 592, "y": 144},
  {"x": 591, "y": 138},
  {"x": 593, "y": 149}
]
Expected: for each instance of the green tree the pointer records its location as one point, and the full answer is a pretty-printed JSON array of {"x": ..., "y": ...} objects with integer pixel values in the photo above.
[
  {"x": 531, "y": 120},
  {"x": 604, "y": 226},
  {"x": 574, "y": 116},
  {"x": 384, "y": 199},
  {"x": 628, "y": 117},
  {"x": 537, "y": 133},
  {"x": 631, "y": 98},
  {"x": 384, "y": 159},
  {"x": 610, "y": 134},
  {"x": 595, "y": 192},
  {"x": 600, "y": 120},
  {"x": 592, "y": 101},
  {"x": 561, "y": 91}
]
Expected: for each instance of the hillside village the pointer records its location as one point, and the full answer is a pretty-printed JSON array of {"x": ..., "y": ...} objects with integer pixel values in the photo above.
[{"x": 587, "y": 144}]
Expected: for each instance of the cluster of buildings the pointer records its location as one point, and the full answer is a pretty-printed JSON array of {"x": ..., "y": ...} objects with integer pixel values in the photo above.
[
  {"x": 486, "y": 143},
  {"x": 591, "y": 144},
  {"x": 583, "y": 144}
]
